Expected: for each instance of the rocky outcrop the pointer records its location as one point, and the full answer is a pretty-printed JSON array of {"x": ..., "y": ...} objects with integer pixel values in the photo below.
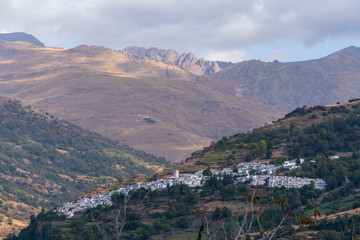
[{"x": 186, "y": 61}]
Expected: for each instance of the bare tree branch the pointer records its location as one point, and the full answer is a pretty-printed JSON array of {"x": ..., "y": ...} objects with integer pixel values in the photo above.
[
  {"x": 223, "y": 228},
  {"x": 126, "y": 199},
  {"x": 272, "y": 233},
  {"x": 98, "y": 227}
]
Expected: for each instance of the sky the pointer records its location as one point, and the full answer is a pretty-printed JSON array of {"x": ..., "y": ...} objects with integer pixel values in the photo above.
[{"x": 227, "y": 30}]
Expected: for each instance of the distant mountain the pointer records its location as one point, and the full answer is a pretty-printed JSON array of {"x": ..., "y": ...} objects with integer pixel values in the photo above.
[
  {"x": 22, "y": 37},
  {"x": 327, "y": 80},
  {"x": 111, "y": 92},
  {"x": 186, "y": 61},
  {"x": 331, "y": 79},
  {"x": 45, "y": 161}
]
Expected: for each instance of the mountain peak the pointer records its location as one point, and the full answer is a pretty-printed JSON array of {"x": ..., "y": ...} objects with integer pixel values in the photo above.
[
  {"x": 21, "y": 37},
  {"x": 350, "y": 51},
  {"x": 352, "y": 48},
  {"x": 186, "y": 61}
]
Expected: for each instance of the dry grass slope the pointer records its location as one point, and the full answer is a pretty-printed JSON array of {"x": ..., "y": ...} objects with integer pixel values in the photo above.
[{"x": 111, "y": 92}]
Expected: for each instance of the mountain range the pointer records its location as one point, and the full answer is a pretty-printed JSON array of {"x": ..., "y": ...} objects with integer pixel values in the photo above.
[
  {"x": 190, "y": 101},
  {"x": 327, "y": 80},
  {"x": 285, "y": 86},
  {"x": 171, "y": 105},
  {"x": 186, "y": 61},
  {"x": 111, "y": 92}
]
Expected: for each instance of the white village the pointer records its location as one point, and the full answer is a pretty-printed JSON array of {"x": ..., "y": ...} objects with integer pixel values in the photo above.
[{"x": 255, "y": 174}]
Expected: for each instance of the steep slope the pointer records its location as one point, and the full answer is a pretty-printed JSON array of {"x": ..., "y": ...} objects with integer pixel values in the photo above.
[
  {"x": 21, "y": 37},
  {"x": 111, "y": 92},
  {"x": 304, "y": 132},
  {"x": 186, "y": 61},
  {"x": 216, "y": 209},
  {"x": 334, "y": 78},
  {"x": 45, "y": 161}
]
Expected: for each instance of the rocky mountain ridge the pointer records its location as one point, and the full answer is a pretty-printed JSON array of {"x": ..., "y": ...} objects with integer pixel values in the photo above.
[
  {"x": 186, "y": 61},
  {"x": 111, "y": 92},
  {"x": 327, "y": 80}
]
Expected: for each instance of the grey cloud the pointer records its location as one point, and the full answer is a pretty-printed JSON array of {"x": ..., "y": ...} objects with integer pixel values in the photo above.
[{"x": 182, "y": 25}]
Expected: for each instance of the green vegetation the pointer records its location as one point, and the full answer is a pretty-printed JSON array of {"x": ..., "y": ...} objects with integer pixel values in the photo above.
[
  {"x": 333, "y": 171},
  {"x": 180, "y": 208},
  {"x": 219, "y": 206},
  {"x": 338, "y": 134},
  {"x": 174, "y": 215},
  {"x": 180, "y": 211},
  {"x": 354, "y": 100},
  {"x": 257, "y": 144},
  {"x": 215, "y": 158},
  {"x": 304, "y": 110},
  {"x": 45, "y": 161},
  {"x": 305, "y": 132},
  {"x": 182, "y": 236}
]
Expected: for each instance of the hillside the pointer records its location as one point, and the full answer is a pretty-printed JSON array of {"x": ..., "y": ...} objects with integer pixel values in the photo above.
[
  {"x": 186, "y": 61},
  {"x": 286, "y": 86},
  {"x": 111, "y": 92},
  {"x": 217, "y": 209},
  {"x": 45, "y": 161},
  {"x": 303, "y": 121}
]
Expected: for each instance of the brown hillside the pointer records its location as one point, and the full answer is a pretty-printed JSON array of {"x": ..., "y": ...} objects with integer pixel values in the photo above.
[
  {"x": 331, "y": 79},
  {"x": 217, "y": 159},
  {"x": 111, "y": 92}
]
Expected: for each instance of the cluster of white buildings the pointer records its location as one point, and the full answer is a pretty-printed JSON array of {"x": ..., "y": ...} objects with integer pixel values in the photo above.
[
  {"x": 69, "y": 208},
  {"x": 252, "y": 173},
  {"x": 192, "y": 180},
  {"x": 280, "y": 181},
  {"x": 292, "y": 164},
  {"x": 295, "y": 182},
  {"x": 262, "y": 174}
]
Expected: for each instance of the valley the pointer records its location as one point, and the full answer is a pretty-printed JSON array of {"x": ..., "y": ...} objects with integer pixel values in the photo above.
[
  {"x": 45, "y": 161},
  {"x": 110, "y": 92},
  {"x": 215, "y": 120},
  {"x": 179, "y": 120},
  {"x": 286, "y": 203}
]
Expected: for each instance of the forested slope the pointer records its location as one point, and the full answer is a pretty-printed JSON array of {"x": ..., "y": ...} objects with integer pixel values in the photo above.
[
  {"x": 221, "y": 208},
  {"x": 45, "y": 161}
]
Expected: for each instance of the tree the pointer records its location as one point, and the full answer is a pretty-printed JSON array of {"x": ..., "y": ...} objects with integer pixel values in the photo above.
[
  {"x": 245, "y": 219},
  {"x": 293, "y": 128},
  {"x": 10, "y": 221},
  {"x": 261, "y": 148},
  {"x": 122, "y": 216},
  {"x": 207, "y": 172},
  {"x": 268, "y": 154},
  {"x": 182, "y": 223}
]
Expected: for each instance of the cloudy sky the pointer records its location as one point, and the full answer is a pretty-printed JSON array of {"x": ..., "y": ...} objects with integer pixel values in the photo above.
[{"x": 230, "y": 30}]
